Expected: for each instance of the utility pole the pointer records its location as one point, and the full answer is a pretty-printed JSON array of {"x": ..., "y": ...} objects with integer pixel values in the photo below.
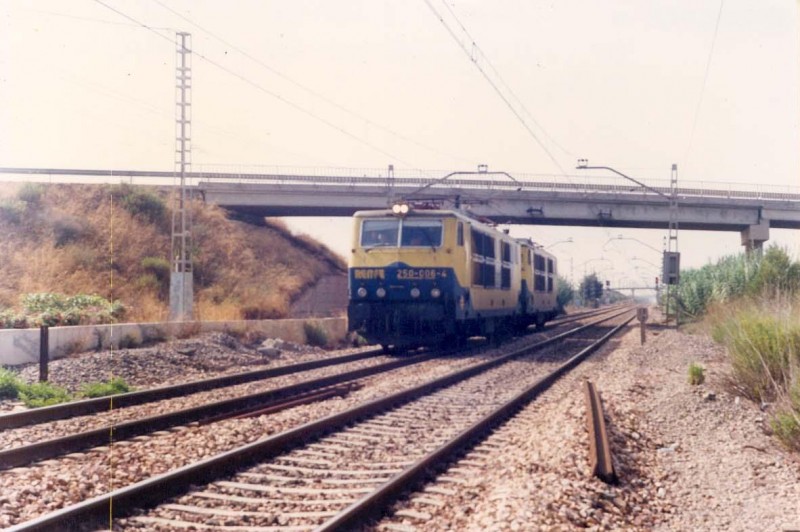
[
  {"x": 671, "y": 266},
  {"x": 671, "y": 259},
  {"x": 181, "y": 289}
]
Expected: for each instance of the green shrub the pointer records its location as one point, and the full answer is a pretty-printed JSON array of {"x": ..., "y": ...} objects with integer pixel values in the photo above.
[
  {"x": 147, "y": 282},
  {"x": 762, "y": 348},
  {"x": 9, "y": 384},
  {"x": 696, "y": 374},
  {"x": 564, "y": 292},
  {"x": 11, "y": 211},
  {"x": 114, "y": 386},
  {"x": 67, "y": 230},
  {"x": 30, "y": 193},
  {"x": 737, "y": 276},
  {"x": 786, "y": 425},
  {"x": 358, "y": 340},
  {"x": 11, "y": 320},
  {"x": 157, "y": 266},
  {"x": 41, "y": 394},
  {"x": 261, "y": 312},
  {"x": 49, "y": 309},
  {"x": 141, "y": 203},
  {"x": 157, "y": 275},
  {"x": 315, "y": 335}
]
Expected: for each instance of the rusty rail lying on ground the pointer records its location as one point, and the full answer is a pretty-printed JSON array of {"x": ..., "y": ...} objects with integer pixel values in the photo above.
[{"x": 600, "y": 462}]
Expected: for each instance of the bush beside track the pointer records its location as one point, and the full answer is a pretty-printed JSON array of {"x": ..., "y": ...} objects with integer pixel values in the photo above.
[{"x": 751, "y": 305}]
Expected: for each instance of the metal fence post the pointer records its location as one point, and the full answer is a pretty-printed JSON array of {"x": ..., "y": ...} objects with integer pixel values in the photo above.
[
  {"x": 44, "y": 352},
  {"x": 642, "y": 314}
]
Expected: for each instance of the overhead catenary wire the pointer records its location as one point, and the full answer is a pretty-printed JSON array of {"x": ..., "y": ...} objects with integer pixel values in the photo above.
[
  {"x": 503, "y": 82},
  {"x": 705, "y": 81},
  {"x": 89, "y": 19},
  {"x": 307, "y": 89},
  {"x": 263, "y": 89},
  {"x": 470, "y": 52}
]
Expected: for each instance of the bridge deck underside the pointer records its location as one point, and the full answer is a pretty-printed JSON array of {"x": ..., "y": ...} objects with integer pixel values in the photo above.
[{"x": 524, "y": 207}]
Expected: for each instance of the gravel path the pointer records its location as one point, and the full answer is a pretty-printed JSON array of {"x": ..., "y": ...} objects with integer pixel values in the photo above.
[{"x": 686, "y": 462}]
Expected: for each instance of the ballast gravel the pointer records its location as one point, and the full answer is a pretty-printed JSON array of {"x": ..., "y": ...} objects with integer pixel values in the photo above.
[
  {"x": 688, "y": 457},
  {"x": 176, "y": 361},
  {"x": 69, "y": 479}
]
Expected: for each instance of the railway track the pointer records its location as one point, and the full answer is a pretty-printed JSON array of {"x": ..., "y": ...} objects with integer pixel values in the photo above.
[
  {"x": 123, "y": 400},
  {"x": 30, "y": 450},
  {"x": 433, "y": 418}
]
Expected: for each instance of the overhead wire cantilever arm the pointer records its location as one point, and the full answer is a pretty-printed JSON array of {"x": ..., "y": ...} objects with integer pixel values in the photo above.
[
  {"x": 629, "y": 178},
  {"x": 451, "y": 174}
]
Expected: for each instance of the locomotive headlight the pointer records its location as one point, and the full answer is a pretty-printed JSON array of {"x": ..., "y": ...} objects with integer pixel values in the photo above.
[
  {"x": 380, "y": 292},
  {"x": 400, "y": 208},
  {"x": 435, "y": 292},
  {"x": 415, "y": 292},
  {"x": 362, "y": 292}
]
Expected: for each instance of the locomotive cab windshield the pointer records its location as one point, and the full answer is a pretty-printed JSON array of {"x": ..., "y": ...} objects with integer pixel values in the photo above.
[{"x": 393, "y": 232}]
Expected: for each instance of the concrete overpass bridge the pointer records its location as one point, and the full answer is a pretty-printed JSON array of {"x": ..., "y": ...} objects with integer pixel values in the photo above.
[{"x": 524, "y": 199}]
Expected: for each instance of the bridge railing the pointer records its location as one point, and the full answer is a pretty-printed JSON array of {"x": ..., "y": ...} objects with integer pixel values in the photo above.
[
  {"x": 409, "y": 178},
  {"x": 540, "y": 182}
]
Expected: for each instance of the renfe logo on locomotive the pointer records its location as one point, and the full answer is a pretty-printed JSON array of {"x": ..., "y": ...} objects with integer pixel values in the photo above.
[{"x": 370, "y": 273}]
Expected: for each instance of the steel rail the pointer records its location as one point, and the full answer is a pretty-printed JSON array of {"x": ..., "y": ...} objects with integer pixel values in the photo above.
[
  {"x": 372, "y": 505},
  {"x": 207, "y": 413},
  {"x": 42, "y": 450},
  {"x": 100, "y": 404},
  {"x": 567, "y": 318},
  {"x": 99, "y": 510},
  {"x": 600, "y": 462}
]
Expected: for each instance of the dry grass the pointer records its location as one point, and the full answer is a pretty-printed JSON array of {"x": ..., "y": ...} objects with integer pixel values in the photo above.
[
  {"x": 238, "y": 267},
  {"x": 762, "y": 337}
]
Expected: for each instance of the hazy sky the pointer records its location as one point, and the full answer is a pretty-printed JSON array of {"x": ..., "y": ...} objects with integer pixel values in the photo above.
[{"x": 355, "y": 84}]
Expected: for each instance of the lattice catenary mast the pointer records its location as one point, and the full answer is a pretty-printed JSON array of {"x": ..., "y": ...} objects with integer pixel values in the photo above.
[
  {"x": 671, "y": 267},
  {"x": 181, "y": 290}
]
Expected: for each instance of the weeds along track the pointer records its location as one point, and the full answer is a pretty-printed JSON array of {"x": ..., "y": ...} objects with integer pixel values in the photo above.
[{"x": 326, "y": 459}]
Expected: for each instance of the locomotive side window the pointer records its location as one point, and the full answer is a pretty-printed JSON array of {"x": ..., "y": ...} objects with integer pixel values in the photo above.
[
  {"x": 460, "y": 234},
  {"x": 375, "y": 233},
  {"x": 551, "y": 271},
  {"x": 505, "y": 271},
  {"x": 483, "y": 259},
  {"x": 506, "y": 251},
  {"x": 540, "y": 273},
  {"x": 426, "y": 233}
]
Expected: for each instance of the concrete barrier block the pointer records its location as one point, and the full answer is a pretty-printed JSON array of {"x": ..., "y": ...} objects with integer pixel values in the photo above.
[{"x": 21, "y": 346}]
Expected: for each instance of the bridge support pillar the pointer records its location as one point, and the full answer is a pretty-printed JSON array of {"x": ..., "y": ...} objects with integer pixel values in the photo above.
[{"x": 753, "y": 237}]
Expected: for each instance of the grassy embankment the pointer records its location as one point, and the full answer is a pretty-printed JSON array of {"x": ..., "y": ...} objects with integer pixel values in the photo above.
[
  {"x": 752, "y": 307},
  {"x": 60, "y": 243}
]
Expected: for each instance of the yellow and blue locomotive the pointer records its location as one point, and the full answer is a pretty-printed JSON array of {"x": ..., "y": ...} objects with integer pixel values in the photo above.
[{"x": 422, "y": 277}]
